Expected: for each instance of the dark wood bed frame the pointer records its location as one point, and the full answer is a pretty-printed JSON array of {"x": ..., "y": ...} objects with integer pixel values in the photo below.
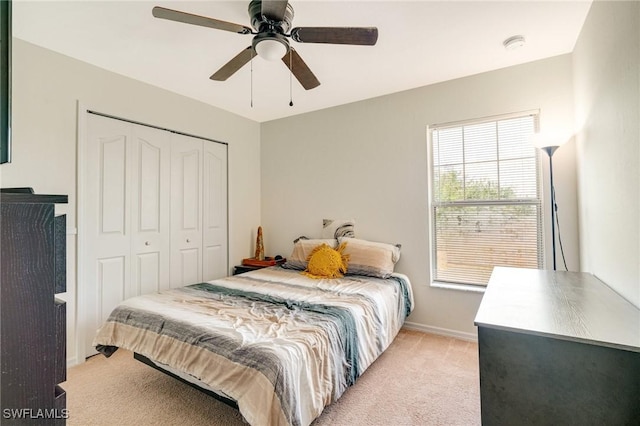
[{"x": 145, "y": 360}]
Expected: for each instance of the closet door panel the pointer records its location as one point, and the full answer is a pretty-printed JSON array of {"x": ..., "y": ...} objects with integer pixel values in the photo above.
[
  {"x": 112, "y": 180},
  {"x": 215, "y": 211},
  {"x": 147, "y": 267},
  {"x": 190, "y": 265},
  {"x": 148, "y": 187},
  {"x": 150, "y": 204},
  {"x": 188, "y": 194},
  {"x": 214, "y": 263},
  {"x": 186, "y": 210},
  {"x": 106, "y": 229},
  {"x": 112, "y": 284}
]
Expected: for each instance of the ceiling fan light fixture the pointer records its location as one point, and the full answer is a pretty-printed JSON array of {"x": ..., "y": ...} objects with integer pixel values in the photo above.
[
  {"x": 271, "y": 20},
  {"x": 514, "y": 42},
  {"x": 271, "y": 49}
]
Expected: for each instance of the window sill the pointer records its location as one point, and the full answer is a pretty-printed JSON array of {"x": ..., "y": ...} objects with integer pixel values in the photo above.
[{"x": 459, "y": 287}]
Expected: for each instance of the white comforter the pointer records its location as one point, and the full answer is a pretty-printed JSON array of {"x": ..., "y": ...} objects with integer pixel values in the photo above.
[{"x": 280, "y": 344}]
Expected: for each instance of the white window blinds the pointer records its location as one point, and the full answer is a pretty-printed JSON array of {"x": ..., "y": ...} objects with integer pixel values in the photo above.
[{"x": 486, "y": 207}]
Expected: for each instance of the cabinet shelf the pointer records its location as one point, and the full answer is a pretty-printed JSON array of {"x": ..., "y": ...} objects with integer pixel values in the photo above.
[{"x": 32, "y": 321}]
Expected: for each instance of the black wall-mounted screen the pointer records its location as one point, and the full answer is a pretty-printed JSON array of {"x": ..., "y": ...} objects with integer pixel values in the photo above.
[{"x": 5, "y": 81}]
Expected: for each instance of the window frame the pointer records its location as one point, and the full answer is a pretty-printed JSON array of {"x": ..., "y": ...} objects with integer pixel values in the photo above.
[{"x": 432, "y": 204}]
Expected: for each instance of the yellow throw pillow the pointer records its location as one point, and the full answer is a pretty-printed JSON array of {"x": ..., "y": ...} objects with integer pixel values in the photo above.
[{"x": 326, "y": 262}]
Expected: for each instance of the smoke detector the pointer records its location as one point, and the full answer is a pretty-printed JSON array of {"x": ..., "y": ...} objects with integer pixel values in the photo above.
[{"x": 514, "y": 42}]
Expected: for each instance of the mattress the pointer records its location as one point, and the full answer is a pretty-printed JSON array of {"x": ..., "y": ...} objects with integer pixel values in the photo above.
[{"x": 280, "y": 344}]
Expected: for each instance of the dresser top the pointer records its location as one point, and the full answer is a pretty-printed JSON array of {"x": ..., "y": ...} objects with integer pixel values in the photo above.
[
  {"x": 564, "y": 305},
  {"x": 8, "y": 197}
]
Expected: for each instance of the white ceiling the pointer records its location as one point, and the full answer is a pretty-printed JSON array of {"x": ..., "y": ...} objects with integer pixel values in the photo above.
[{"x": 419, "y": 43}]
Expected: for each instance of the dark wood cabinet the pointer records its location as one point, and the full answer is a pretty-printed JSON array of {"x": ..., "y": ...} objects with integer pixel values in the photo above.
[
  {"x": 32, "y": 320},
  {"x": 557, "y": 348}
]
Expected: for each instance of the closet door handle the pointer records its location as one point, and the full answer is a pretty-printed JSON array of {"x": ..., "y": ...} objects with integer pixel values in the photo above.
[
  {"x": 188, "y": 240},
  {"x": 147, "y": 243}
]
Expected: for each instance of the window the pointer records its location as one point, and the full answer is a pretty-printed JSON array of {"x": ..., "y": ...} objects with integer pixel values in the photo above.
[{"x": 485, "y": 198}]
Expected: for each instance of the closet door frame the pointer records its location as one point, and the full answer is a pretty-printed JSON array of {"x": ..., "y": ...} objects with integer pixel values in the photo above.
[{"x": 85, "y": 300}]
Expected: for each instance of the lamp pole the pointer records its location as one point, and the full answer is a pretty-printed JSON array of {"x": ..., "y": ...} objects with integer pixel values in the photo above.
[{"x": 550, "y": 150}]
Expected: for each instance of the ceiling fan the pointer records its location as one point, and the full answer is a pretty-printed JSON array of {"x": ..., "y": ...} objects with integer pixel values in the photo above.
[{"x": 271, "y": 20}]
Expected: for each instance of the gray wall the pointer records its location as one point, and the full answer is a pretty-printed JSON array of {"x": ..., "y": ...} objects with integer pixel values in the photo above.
[
  {"x": 368, "y": 161},
  {"x": 606, "y": 63}
]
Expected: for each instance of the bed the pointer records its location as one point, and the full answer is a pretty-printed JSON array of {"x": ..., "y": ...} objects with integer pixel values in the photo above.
[{"x": 279, "y": 344}]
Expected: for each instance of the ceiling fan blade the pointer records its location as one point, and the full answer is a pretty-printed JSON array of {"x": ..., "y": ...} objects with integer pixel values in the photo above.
[
  {"x": 364, "y": 36},
  {"x": 300, "y": 70},
  {"x": 188, "y": 18},
  {"x": 233, "y": 65},
  {"x": 274, "y": 9}
]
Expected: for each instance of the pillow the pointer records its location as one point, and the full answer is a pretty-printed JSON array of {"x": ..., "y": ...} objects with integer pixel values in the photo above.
[
  {"x": 326, "y": 262},
  {"x": 371, "y": 258},
  {"x": 302, "y": 248}
]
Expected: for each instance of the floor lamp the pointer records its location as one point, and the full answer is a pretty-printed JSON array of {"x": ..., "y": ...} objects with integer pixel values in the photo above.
[{"x": 550, "y": 150}]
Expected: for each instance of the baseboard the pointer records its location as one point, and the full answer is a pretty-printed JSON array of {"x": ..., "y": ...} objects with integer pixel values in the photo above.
[
  {"x": 72, "y": 362},
  {"x": 472, "y": 337}
]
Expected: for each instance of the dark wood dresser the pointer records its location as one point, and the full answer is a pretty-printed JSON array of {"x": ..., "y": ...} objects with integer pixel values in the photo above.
[
  {"x": 32, "y": 320},
  {"x": 557, "y": 348}
]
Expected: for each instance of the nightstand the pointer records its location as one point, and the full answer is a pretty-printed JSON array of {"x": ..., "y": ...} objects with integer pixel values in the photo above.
[
  {"x": 252, "y": 264},
  {"x": 241, "y": 269}
]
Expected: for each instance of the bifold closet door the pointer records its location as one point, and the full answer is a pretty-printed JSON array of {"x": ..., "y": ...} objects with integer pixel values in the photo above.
[
  {"x": 214, "y": 232},
  {"x": 186, "y": 210},
  {"x": 150, "y": 204},
  {"x": 154, "y": 214},
  {"x": 125, "y": 215},
  {"x": 198, "y": 210}
]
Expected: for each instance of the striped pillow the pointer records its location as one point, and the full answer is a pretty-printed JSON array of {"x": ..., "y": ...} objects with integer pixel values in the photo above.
[
  {"x": 371, "y": 258},
  {"x": 302, "y": 248}
]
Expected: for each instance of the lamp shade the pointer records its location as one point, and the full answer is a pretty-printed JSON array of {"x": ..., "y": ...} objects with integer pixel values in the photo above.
[
  {"x": 547, "y": 139},
  {"x": 271, "y": 49}
]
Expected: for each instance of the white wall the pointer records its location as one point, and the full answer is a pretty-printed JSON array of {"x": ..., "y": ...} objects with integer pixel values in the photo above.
[
  {"x": 368, "y": 161},
  {"x": 607, "y": 96},
  {"x": 46, "y": 88}
]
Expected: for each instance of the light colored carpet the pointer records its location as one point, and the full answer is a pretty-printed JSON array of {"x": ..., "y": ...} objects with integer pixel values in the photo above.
[{"x": 422, "y": 379}]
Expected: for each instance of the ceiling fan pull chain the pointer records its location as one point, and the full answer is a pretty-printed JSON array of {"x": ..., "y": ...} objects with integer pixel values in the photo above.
[
  {"x": 290, "y": 74},
  {"x": 251, "y": 78}
]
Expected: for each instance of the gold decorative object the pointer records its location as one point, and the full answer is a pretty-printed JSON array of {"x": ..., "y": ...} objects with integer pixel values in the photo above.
[
  {"x": 259, "y": 255},
  {"x": 259, "y": 259}
]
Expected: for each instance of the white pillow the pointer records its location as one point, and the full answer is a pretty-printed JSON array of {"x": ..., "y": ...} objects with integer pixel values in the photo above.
[{"x": 371, "y": 258}]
